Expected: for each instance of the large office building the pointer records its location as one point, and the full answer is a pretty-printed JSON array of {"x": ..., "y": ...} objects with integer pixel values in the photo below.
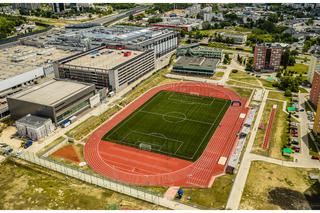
[
  {"x": 267, "y": 57},
  {"x": 162, "y": 41},
  {"x": 112, "y": 68},
  {"x": 56, "y": 99},
  {"x": 193, "y": 59},
  {"x": 23, "y": 66},
  {"x": 186, "y": 24}
]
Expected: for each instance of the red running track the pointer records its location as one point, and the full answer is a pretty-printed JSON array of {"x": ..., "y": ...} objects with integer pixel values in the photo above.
[
  {"x": 134, "y": 166},
  {"x": 266, "y": 140}
]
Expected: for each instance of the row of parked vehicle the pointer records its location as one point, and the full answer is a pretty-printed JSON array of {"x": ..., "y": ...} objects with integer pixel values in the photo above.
[{"x": 294, "y": 139}]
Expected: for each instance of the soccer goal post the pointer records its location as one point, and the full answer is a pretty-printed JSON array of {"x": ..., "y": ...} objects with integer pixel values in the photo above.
[{"x": 145, "y": 146}]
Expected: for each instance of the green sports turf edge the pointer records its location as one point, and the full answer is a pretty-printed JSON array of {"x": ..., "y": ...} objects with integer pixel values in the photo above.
[{"x": 172, "y": 124}]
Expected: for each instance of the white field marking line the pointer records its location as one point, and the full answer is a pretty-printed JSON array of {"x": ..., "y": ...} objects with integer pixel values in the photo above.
[
  {"x": 174, "y": 112},
  {"x": 132, "y": 115},
  {"x": 186, "y": 119},
  {"x": 166, "y": 142},
  {"x": 188, "y": 102},
  {"x": 149, "y": 101},
  {"x": 148, "y": 134},
  {"x": 210, "y": 129}
]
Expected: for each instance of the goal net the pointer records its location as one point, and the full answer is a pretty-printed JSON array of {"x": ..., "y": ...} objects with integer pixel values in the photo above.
[{"x": 145, "y": 146}]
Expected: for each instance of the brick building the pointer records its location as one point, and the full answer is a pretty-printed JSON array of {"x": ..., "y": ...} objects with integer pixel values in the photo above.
[
  {"x": 315, "y": 89},
  {"x": 267, "y": 56}
]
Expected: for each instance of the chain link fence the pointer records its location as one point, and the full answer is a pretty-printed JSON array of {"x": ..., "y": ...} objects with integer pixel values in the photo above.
[{"x": 103, "y": 182}]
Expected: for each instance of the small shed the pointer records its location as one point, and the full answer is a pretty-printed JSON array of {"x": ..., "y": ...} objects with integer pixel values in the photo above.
[
  {"x": 287, "y": 151},
  {"x": 291, "y": 109}
]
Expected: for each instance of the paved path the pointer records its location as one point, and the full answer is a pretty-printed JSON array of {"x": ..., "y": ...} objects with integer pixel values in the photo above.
[
  {"x": 240, "y": 180},
  {"x": 303, "y": 159}
]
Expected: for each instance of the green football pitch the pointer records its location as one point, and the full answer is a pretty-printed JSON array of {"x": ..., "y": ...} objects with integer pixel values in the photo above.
[{"x": 170, "y": 123}]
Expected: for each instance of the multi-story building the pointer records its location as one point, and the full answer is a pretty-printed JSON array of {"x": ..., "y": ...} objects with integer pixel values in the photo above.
[
  {"x": 196, "y": 60},
  {"x": 193, "y": 10},
  {"x": 316, "y": 125},
  {"x": 267, "y": 57},
  {"x": 315, "y": 89},
  {"x": 162, "y": 41},
  {"x": 112, "y": 68},
  {"x": 186, "y": 24},
  {"x": 56, "y": 99},
  {"x": 23, "y": 66},
  {"x": 314, "y": 65},
  {"x": 237, "y": 38},
  {"x": 26, "y": 6},
  {"x": 58, "y": 7}
]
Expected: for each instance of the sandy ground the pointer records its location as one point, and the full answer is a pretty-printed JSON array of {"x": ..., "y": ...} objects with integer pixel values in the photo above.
[
  {"x": 26, "y": 186},
  {"x": 274, "y": 187}
]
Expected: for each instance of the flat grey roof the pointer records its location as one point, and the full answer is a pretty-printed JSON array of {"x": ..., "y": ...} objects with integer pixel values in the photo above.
[
  {"x": 19, "y": 59},
  {"x": 51, "y": 92},
  {"x": 104, "y": 58},
  {"x": 197, "y": 61},
  {"x": 32, "y": 120}
]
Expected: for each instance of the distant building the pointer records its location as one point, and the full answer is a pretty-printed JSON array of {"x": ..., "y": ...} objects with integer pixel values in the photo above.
[
  {"x": 196, "y": 60},
  {"x": 206, "y": 10},
  {"x": 162, "y": 41},
  {"x": 26, "y": 6},
  {"x": 56, "y": 99},
  {"x": 208, "y": 17},
  {"x": 315, "y": 89},
  {"x": 267, "y": 57},
  {"x": 186, "y": 24},
  {"x": 34, "y": 127},
  {"x": 237, "y": 38},
  {"x": 193, "y": 10},
  {"x": 58, "y": 7}
]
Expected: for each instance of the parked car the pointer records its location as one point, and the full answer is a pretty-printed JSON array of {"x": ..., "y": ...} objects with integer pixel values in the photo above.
[
  {"x": 296, "y": 149},
  {"x": 313, "y": 157}
]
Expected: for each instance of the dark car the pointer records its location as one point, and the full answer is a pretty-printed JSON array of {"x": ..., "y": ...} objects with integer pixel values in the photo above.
[{"x": 313, "y": 157}]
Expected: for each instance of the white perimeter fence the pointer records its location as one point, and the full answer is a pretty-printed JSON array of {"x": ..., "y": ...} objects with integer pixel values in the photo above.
[{"x": 132, "y": 191}]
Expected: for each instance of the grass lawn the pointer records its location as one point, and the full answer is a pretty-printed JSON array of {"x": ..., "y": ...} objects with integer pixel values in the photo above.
[
  {"x": 244, "y": 93},
  {"x": 213, "y": 198},
  {"x": 267, "y": 83},
  {"x": 274, "y": 187},
  {"x": 303, "y": 90},
  {"x": 299, "y": 68},
  {"x": 84, "y": 128},
  {"x": 245, "y": 78},
  {"x": 171, "y": 123},
  {"x": 279, "y": 96},
  {"x": 219, "y": 74},
  {"x": 278, "y": 136},
  {"x": 49, "y": 146},
  {"x": 27, "y": 186}
]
